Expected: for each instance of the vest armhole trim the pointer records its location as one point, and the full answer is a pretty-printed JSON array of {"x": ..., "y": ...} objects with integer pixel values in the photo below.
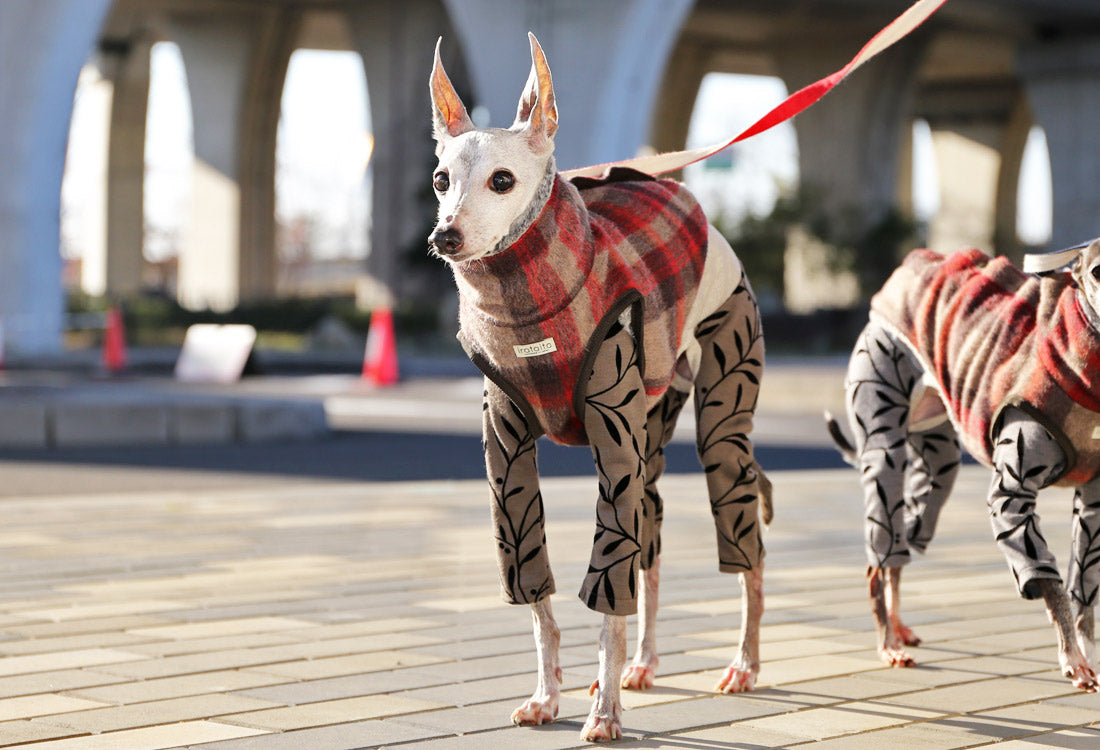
[
  {"x": 632, "y": 299},
  {"x": 487, "y": 369}
]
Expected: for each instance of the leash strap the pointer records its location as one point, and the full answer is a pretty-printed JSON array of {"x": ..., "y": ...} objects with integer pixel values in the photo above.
[
  {"x": 1052, "y": 261},
  {"x": 788, "y": 108}
]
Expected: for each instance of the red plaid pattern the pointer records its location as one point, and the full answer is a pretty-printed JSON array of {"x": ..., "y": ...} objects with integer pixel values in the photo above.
[
  {"x": 995, "y": 337},
  {"x": 597, "y": 247}
]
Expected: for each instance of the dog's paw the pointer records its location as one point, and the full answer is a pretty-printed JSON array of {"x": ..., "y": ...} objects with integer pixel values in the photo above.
[
  {"x": 638, "y": 677},
  {"x": 738, "y": 678},
  {"x": 536, "y": 712},
  {"x": 897, "y": 657},
  {"x": 600, "y": 728},
  {"x": 906, "y": 635},
  {"x": 1080, "y": 673}
]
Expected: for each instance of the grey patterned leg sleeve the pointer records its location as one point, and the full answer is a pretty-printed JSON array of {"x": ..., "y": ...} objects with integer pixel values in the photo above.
[
  {"x": 726, "y": 388},
  {"x": 660, "y": 425},
  {"x": 881, "y": 378},
  {"x": 933, "y": 465},
  {"x": 1025, "y": 458},
  {"x": 516, "y": 501},
  {"x": 1084, "y": 565},
  {"x": 614, "y": 420}
]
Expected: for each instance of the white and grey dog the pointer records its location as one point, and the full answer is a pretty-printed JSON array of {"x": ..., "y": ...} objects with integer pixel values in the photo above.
[
  {"x": 968, "y": 346},
  {"x": 557, "y": 280}
]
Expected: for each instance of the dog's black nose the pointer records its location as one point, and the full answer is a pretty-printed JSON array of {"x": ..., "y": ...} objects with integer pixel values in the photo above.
[{"x": 446, "y": 241}]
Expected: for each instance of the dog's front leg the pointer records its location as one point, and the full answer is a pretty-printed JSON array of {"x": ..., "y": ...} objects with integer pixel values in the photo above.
[
  {"x": 1026, "y": 458},
  {"x": 640, "y": 672},
  {"x": 740, "y": 675},
  {"x": 1084, "y": 566},
  {"x": 614, "y": 420},
  {"x": 517, "y": 514},
  {"x": 542, "y": 706},
  {"x": 1071, "y": 658},
  {"x": 605, "y": 721}
]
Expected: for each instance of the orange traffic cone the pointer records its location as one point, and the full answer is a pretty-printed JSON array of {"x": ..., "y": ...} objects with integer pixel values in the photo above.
[
  {"x": 114, "y": 341},
  {"x": 380, "y": 358}
]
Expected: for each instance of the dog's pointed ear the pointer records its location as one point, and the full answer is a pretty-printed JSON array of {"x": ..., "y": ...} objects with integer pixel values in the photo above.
[
  {"x": 537, "y": 114},
  {"x": 449, "y": 116}
]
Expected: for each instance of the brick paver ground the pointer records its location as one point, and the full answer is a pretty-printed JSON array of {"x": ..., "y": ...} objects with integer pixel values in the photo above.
[{"x": 345, "y": 615}]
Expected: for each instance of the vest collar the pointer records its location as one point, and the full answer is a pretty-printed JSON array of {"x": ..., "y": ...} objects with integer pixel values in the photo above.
[{"x": 510, "y": 288}]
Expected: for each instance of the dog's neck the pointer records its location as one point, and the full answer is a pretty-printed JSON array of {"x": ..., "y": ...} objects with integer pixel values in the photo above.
[{"x": 534, "y": 208}]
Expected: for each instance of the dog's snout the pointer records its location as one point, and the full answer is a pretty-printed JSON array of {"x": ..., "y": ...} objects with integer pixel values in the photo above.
[{"x": 446, "y": 241}]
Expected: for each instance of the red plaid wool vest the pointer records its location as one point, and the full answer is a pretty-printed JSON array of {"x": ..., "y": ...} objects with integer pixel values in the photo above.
[
  {"x": 995, "y": 337},
  {"x": 532, "y": 316}
]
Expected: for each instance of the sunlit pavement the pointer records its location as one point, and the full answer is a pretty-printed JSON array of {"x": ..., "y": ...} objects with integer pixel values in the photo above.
[{"x": 357, "y": 614}]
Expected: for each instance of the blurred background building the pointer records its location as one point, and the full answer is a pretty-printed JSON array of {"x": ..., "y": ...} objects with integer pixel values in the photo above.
[{"x": 212, "y": 155}]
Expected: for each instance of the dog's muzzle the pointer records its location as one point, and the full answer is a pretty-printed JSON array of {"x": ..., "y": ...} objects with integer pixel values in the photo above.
[{"x": 446, "y": 241}]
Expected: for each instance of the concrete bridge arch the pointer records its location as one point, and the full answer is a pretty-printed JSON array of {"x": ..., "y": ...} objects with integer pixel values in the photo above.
[{"x": 616, "y": 65}]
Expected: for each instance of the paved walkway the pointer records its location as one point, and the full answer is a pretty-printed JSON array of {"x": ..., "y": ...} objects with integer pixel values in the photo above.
[{"x": 343, "y": 615}]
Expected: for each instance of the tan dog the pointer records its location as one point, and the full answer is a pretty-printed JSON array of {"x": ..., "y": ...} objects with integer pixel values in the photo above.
[{"x": 497, "y": 189}]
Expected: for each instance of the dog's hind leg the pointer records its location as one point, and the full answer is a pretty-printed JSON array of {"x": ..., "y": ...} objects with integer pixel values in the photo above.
[
  {"x": 726, "y": 389},
  {"x": 934, "y": 457},
  {"x": 882, "y": 377},
  {"x": 660, "y": 424},
  {"x": 740, "y": 675},
  {"x": 1084, "y": 566}
]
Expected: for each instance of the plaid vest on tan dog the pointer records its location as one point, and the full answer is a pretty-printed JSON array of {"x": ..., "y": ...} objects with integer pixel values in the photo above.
[
  {"x": 531, "y": 316},
  {"x": 995, "y": 337}
]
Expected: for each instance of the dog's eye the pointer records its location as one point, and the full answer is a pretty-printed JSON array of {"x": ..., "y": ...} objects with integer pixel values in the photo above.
[
  {"x": 502, "y": 181},
  {"x": 1095, "y": 272},
  {"x": 441, "y": 182}
]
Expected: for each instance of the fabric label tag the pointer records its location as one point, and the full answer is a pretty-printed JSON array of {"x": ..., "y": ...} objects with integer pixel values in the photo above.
[
  {"x": 1096, "y": 433},
  {"x": 537, "y": 349}
]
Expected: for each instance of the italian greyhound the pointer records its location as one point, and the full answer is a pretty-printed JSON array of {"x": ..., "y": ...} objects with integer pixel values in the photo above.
[
  {"x": 968, "y": 346},
  {"x": 595, "y": 307}
]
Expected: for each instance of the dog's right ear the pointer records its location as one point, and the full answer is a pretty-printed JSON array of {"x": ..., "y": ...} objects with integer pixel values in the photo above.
[{"x": 449, "y": 118}]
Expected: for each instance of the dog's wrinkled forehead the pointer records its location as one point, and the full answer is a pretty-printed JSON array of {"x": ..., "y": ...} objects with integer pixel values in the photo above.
[{"x": 484, "y": 150}]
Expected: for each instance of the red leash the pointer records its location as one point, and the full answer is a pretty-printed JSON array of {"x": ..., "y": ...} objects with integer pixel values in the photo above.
[{"x": 788, "y": 108}]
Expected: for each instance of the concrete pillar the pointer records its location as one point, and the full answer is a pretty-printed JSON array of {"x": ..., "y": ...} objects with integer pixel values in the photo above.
[
  {"x": 1062, "y": 79},
  {"x": 850, "y": 142},
  {"x": 396, "y": 39},
  {"x": 687, "y": 66},
  {"x": 127, "y": 66},
  {"x": 979, "y": 130},
  {"x": 607, "y": 60},
  {"x": 236, "y": 64},
  {"x": 968, "y": 164},
  {"x": 43, "y": 44}
]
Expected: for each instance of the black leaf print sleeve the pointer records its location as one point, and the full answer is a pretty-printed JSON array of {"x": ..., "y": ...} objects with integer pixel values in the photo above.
[
  {"x": 515, "y": 500},
  {"x": 615, "y": 421}
]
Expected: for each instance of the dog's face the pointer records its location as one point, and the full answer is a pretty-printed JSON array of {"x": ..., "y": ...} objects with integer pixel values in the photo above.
[
  {"x": 489, "y": 182},
  {"x": 1087, "y": 273}
]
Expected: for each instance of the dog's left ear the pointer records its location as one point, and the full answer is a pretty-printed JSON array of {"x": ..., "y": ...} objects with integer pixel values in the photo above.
[
  {"x": 449, "y": 116},
  {"x": 537, "y": 114}
]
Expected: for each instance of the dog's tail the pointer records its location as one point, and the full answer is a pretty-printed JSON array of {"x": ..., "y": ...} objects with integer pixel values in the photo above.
[{"x": 847, "y": 450}]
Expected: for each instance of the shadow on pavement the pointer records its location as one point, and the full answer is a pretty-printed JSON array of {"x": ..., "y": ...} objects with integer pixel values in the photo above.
[{"x": 380, "y": 456}]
